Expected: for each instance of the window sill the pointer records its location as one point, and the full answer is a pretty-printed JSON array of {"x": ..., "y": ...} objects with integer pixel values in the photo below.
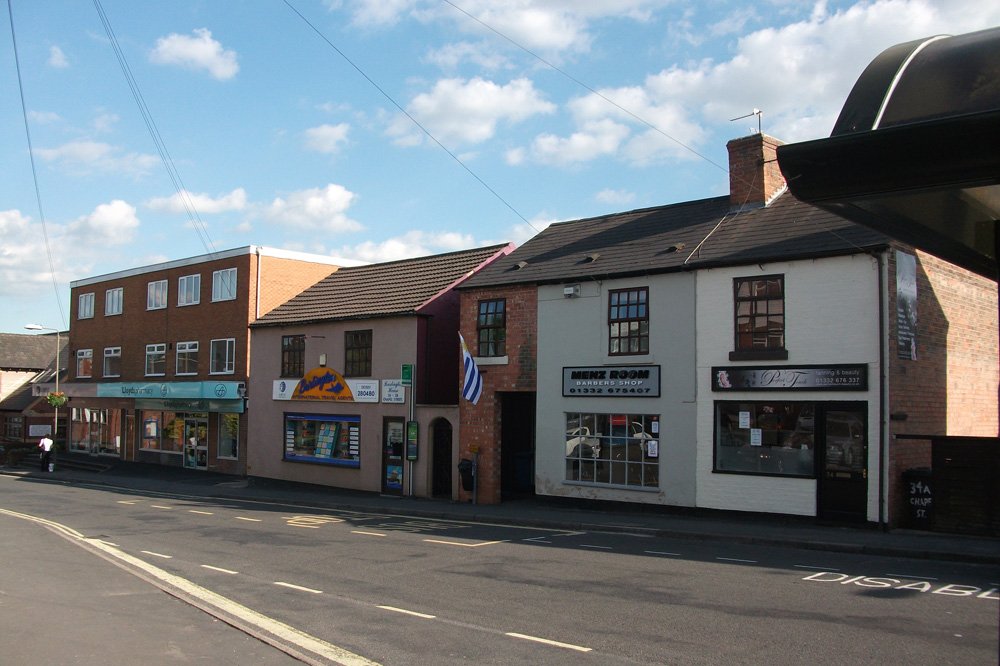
[
  {"x": 612, "y": 486},
  {"x": 762, "y": 355}
]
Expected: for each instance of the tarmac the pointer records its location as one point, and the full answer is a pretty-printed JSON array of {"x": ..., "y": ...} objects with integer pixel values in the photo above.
[{"x": 537, "y": 511}]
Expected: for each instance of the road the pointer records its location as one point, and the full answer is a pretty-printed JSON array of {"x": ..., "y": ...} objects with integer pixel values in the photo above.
[{"x": 344, "y": 587}]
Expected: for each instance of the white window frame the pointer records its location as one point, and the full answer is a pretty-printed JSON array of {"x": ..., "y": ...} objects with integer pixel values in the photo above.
[
  {"x": 114, "y": 301},
  {"x": 85, "y": 306},
  {"x": 156, "y": 295},
  {"x": 82, "y": 355},
  {"x": 224, "y": 285},
  {"x": 230, "y": 356},
  {"x": 159, "y": 349},
  {"x": 110, "y": 353},
  {"x": 189, "y": 290},
  {"x": 186, "y": 348}
]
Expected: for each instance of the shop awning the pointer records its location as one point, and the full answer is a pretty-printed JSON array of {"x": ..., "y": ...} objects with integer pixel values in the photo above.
[{"x": 915, "y": 152}]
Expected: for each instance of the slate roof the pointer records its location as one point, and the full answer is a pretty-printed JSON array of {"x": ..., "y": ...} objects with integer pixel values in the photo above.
[
  {"x": 676, "y": 237},
  {"x": 19, "y": 351},
  {"x": 394, "y": 288}
]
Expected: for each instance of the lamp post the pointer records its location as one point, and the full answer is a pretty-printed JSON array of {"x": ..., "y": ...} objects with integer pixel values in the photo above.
[{"x": 55, "y": 417}]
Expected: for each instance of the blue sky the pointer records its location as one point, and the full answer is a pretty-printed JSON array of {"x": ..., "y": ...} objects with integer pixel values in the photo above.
[{"x": 375, "y": 130}]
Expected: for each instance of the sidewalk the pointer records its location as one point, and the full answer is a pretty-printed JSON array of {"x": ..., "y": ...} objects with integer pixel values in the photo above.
[{"x": 535, "y": 512}]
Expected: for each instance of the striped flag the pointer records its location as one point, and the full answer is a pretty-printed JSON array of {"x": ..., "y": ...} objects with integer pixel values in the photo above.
[{"x": 472, "y": 387}]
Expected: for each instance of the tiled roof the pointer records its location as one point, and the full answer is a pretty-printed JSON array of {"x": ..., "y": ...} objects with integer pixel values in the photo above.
[
  {"x": 29, "y": 352},
  {"x": 667, "y": 238},
  {"x": 380, "y": 290},
  {"x": 19, "y": 399}
]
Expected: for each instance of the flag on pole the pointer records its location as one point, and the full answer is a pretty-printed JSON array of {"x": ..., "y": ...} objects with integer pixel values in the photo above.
[{"x": 472, "y": 387}]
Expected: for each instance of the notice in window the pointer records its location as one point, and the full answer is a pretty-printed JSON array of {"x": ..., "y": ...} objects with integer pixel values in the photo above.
[
  {"x": 744, "y": 420},
  {"x": 756, "y": 437}
]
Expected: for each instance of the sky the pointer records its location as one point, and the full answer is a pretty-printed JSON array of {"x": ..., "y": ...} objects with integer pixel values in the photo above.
[{"x": 135, "y": 132}]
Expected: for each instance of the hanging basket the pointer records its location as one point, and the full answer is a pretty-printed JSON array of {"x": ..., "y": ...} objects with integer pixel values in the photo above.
[{"x": 56, "y": 398}]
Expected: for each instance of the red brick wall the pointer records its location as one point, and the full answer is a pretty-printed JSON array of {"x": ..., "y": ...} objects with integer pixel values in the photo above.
[
  {"x": 754, "y": 174},
  {"x": 480, "y": 424}
]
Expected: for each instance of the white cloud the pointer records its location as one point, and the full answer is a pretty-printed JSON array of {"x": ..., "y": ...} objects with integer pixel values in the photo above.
[
  {"x": 44, "y": 117},
  {"x": 616, "y": 197},
  {"x": 83, "y": 157},
  {"x": 315, "y": 209},
  {"x": 450, "y": 56},
  {"x": 199, "y": 52},
  {"x": 327, "y": 138},
  {"x": 105, "y": 122},
  {"x": 594, "y": 139},
  {"x": 57, "y": 58},
  {"x": 203, "y": 203},
  {"x": 413, "y": 243},
  {"x": 112, "y": 223},
  {"x": 459, "y": 111}
]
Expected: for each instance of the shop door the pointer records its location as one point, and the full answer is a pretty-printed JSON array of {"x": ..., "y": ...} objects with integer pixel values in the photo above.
[
  {"x": 843, "y": 464},
  {"x": 517, "y": 445},
  {"x": 392, "y": 456},
  {"x": 196, "y": 443}
]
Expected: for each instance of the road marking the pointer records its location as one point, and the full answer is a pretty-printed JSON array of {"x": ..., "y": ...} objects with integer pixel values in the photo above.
[
  {"x": 160, "y": 506},
  {"x": 661, "y": 552},
  {"x": 466, "y": 545},
  {"x": 408, "y": 612},
  {"x": 128, "y": 501},
  {"x": 537, "y": 540},
  {"x": 546, "y": 641},
  {"x": 149, "y": 552},
  {"x": 201, "y": 513},
  {"x": 298, "y": 587},
  {"x": 735, "y": 559},
  {"x": 219, "y": 569},
  {"x": 587, "y": 545},
  {"x": 249, "y": 520},
  {"x": 812, "y": 568},
  {"x": 909, "y": 577},
  {"x": 311, "y": 521},
  {"x": 378, "y": 534}
]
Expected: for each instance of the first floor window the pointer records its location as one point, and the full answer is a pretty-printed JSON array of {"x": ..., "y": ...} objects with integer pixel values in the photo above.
[
  {"x": 84, "y": 362},
  {"x": 760, "y": 313},
  {"x": 765, "y": 437},
  {"x": 85, "y": 306},
  {"x": 156, "y": 295},
  {"x": 224, "y": 285},
  {"x": 113, "y": 301},
  {"x": 358, "y": 353},
  {"x": 628, "y": 321},
  {"x": 613, "y": 449},
  {"x": 327, "y": 439},
  {"x": 187, "y": 358},
  {"x": 491, "y": 327},
  {"x": 189, "y": 290},
  {"x": 112, "y": 361},
  {"x": 293, "y": 356},
  {"x": 229, "y": 435},
  {"x": 156, "y": 360},
  {"x": 223, "y": 357}
]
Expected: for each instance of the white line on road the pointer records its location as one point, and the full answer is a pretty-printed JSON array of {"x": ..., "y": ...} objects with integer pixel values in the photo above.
[
  {"x": 149, "y": 552},
  {"x": 408, "y": 612},
  {"x": 160, "y": 506},
  {"x": 379, "y": 534},
  {"x": 806, "y": 566},
  {"x": 201, "y": 513},
  {"x": 466, "y": 545},
  {"x": 127, "y": 502},
  {"x": 587, "y": 545},
  {"x": 298, "y": 587},
  {"x": 219, "y": 569},
  {"x": 249, "y": 520},
  {"x": 537, "y": 540},
  {"x": 661, "y": 552},
  {"x": 546, "y": 641},
  {"x": 736, "y": 559}
]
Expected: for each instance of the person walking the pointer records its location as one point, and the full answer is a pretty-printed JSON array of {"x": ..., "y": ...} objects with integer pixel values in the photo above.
[{"x": 45, "y": 444}]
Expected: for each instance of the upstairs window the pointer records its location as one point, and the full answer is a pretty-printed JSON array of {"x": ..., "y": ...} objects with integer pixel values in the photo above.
[
  {"x": 293, "y": 356},
  {"x": 112, "y": 361},
  {"x": 358, "y": 353},
  {"x": 156, "y": 360},
  {"x": 84, "y": 362},
  {"x": 113, "y": 301},
  {"x": 223, "y": 353},
  {"x": 759, "y": 317},
  {"x": 224, "y": 285},
  {"x": 156, "y": 295},
  {"x": 189, "y": 290},
  {"x": 491, "y": 328},
  {"x": 187, "y": 358},
  {"x": 85, "y": 306},
  {"x": 628, "y": 321}
]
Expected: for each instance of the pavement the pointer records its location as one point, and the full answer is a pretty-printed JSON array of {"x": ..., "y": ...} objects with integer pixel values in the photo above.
[{"x": 538, "y": 511}]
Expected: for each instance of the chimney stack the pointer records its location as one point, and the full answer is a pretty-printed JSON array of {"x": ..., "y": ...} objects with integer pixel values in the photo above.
[{"x": 754, "y": 176}]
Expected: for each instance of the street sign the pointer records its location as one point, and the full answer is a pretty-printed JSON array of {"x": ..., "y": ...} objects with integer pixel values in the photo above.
[{"x": 406, "y": 372}]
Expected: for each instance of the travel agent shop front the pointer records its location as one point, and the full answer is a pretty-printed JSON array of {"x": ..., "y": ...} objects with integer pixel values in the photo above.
[
  {"x": 198, "y": 425},
  {"x": 360, "y": 434}
]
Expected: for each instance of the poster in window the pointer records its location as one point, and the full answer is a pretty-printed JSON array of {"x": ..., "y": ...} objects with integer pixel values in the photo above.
[{"x": 906, "y": 306}]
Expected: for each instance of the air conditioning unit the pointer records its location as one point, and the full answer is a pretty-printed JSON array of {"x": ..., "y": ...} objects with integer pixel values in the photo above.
[{"x": 571, "y": 291}]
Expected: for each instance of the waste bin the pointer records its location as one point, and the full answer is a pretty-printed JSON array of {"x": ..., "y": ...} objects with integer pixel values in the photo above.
[
  {"x": 466, "y": 469},
  {"x": 918, "y": 490}
]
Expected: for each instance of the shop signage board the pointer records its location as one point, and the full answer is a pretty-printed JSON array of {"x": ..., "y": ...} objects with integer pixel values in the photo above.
[
  {"x": 631, "y": 381},
  {"x": 172, "y": 390},
  {"x": 845, "y": 377},
  {"x": 393, "y": 391},
  {"x": 358, "y": 390}
]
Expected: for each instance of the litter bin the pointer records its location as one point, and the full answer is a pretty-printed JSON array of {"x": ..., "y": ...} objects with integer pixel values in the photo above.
[
  {"x": 466, "y": 469},
  {"x": 918, "y": 490}
]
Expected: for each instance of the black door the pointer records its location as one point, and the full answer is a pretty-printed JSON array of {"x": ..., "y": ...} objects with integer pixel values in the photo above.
[
  {"x": 441, "y": 451},
  {"x": 843, "y": 462},
  {"x": 517, "y": 445}
]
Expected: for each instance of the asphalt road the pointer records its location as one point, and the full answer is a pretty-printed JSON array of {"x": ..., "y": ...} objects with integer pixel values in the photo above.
[{"x": 346, "y": 587}]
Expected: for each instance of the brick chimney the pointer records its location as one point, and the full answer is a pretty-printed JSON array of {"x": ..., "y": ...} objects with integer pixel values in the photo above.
[{"x": 754, "y": 177}]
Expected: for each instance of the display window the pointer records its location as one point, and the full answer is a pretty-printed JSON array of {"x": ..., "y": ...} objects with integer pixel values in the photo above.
[
  {"x": 325, "y": 439},
  {"x": 613, "y": 449},
  {"x": 165, "y": 431},
  {"x": 766, "y": 437},
  {"x": 96, "y": 431}
]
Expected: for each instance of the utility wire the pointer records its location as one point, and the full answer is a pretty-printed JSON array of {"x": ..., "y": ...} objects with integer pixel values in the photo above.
[
  {"x": 34, "y": 173},
  {"x": 408, "y": 115}
]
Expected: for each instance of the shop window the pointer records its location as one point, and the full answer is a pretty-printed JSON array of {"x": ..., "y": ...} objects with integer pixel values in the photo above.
[
  {"x": 187, "y": 358},
  {"x": 358, "y": 353},
  {"x": 112, "y": 362},
  {"x": 156, "y": 295},
  {"x": 765, "y": 438},
  {"x": 85, "y": 306},
  {"x": 328, "y": 440},
  {"x": 84, "y": 362},
  {"x": 491, "y": 327},
  {"x": 223, "y": 354},
  {"x": 224, "y": 285},
  {"x": 628, "y": 321},
  {"x": 96, "y": 431},
  {"x": 613, "y": 449},
  {"x": 759, "y": 318},
  {"x": 293, "y": 356},
  {"x": 114, "y": 300},
  {"x": 229, "y": 436},
  {"x": 164, "y": 431},
  {"x": 189, "y": 290},
  {"x": 156, "y": 360}
]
